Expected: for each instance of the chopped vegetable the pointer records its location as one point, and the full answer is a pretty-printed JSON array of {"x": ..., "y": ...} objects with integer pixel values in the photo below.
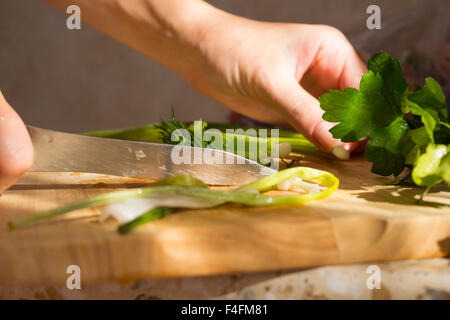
[
  {"x": 295, "y": 184},
  {"x": 194, "y": 194},
  {"x": 407, "y": 128},
  {"x": 236, "y": 139},
  {"x": 151, "y": 215},
  {"x": 125, "y": 211}
]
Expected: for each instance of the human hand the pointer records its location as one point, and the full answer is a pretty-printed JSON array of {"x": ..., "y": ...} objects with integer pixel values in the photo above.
[
  {"x": 274, "y": 72},
  {"x": 16, "y": 149}
]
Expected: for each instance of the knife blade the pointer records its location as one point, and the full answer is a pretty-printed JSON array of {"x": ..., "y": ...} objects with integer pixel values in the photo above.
[{"x": 66, "y": 152}]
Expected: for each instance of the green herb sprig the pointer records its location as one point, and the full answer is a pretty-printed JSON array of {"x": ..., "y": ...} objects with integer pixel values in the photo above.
[{"x": 408, "y": 125}]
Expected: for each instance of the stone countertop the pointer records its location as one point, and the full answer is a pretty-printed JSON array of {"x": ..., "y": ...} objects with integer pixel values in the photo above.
[{"x": 409, "y": 279}]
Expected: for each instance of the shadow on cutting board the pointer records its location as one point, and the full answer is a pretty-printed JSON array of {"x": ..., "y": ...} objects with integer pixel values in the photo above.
[
  {"x": 355, "y": 176},
  {"x": 403, "y": 195},
  {"x": 444, "y": 244},
  {"x": 98, "y": 185}
]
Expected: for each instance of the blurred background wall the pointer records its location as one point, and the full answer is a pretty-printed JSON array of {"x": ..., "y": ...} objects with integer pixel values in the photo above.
[{"x": 82, "y": 80}]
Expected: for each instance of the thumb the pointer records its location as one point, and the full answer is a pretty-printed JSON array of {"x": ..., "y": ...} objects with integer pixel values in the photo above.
[
  {"x": 16, "y": 149},
  {"x": 305, "y": 115}
]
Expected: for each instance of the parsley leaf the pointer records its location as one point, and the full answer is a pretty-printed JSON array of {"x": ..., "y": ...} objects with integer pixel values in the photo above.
[
  {"x": 375, "y": 106},
  {"x": 428, "y": 117},
  {"x": 394, "y": 85},
  {"x": 433, "y": 166},
  {"x": 431, "y": 98},
  {"x": 384, "y": 149},
  {"x": 407, "y": 128}
]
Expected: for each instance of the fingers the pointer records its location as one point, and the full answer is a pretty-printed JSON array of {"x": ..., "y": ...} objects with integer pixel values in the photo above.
[
  {"x": 16, "y": 149},
  {"x": 305, "y": 115},
  {"x": 336, "y": 64},
  {"x": 352, "y": 71}
]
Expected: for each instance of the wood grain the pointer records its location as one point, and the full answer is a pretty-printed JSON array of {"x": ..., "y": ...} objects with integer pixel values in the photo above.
[{"x": 365, "y": 220}]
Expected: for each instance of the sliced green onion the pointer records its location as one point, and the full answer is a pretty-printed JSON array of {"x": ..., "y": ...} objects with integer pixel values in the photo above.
[
  {"x": 146, "y": 217},
  {"x": 188, "y": 186}
]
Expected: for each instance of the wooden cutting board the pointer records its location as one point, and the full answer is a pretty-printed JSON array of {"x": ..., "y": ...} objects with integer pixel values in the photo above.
[{"x": 365, "y": 220}]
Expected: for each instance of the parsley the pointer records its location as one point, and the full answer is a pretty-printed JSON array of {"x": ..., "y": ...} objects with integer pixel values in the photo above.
[{"x": 408, "y": 125}]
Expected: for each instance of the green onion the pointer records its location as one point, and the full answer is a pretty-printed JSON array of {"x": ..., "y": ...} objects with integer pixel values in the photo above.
[
  {"x": 198, "y": 193},
  {"x": 238, "y": 143},
  {"x": 186, "y": 185},
  {"x": 146, "y": 217}
]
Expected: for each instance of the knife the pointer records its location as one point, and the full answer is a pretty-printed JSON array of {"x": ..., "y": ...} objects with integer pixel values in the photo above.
[{"x": 66, "y": 152}]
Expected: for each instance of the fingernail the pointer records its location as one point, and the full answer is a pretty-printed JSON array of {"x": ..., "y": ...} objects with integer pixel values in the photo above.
[{"x": 342, "y": 151}]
